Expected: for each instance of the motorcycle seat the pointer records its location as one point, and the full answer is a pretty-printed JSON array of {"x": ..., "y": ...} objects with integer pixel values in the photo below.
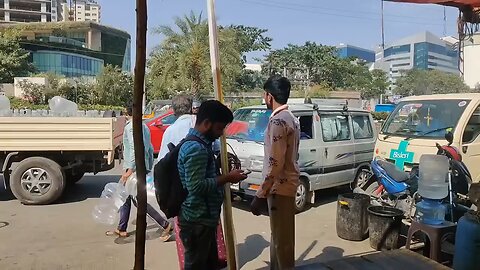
[{"x": 393, "y": 171}]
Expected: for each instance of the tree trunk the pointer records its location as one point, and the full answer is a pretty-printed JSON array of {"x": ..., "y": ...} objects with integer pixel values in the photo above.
[{"x": 138, "y": 135}]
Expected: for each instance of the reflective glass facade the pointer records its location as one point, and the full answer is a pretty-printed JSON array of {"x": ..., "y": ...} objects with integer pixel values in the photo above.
[
  {"x": 396, "y": 50},
  {"x": 127, "y": 65},
  {"x": 67, "y": 64},
  {"x": 351, "y": 51},
  {"x": 422, "y": 57}
]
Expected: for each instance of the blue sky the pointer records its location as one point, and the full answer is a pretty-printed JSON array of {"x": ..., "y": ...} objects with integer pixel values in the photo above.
[{"x": 355, "y": 22}]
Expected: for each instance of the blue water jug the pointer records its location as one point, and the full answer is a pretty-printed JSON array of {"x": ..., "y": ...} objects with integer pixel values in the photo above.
[
  {"x": 467, "y": 245},
  {"x": 430, "y": 212}
]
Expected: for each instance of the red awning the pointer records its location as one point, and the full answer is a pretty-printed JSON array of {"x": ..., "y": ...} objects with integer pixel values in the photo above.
[{"x": 452, "y": 3}]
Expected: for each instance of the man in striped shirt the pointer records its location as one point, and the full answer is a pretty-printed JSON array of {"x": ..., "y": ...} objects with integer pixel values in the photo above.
[{"x": 200, "y": 212}]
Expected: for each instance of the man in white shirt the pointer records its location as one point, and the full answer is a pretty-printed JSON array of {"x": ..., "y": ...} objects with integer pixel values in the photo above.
[{"x": 182, "y": 108}]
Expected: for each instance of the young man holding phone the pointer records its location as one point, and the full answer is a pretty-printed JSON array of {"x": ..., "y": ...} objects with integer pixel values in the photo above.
[{"x": 200, "y": 212}]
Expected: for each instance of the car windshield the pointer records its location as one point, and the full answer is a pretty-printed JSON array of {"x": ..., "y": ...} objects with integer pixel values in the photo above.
[
  {"x": 424, "y": 118},
  {"x": 249, "y": 124}
]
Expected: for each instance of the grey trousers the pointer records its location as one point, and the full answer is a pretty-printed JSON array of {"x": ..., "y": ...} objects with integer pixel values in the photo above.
[{"x": 282, "y": 225}]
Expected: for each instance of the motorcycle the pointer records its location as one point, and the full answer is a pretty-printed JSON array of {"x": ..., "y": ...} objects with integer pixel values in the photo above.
[{"x": 390, "y": 186}]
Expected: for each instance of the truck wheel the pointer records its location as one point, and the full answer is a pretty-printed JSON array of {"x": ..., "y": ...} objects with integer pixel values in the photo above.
[
  {"x": 73, "y": 176},
  {"x": 301, "y": 196},
  {"x": 37, "y": 180}
]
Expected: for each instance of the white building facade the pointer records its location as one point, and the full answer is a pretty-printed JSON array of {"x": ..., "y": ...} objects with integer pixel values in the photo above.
[
  {"x": 471, "y": 64},
  {"x": 423, "y": 51},
  {"x": 20, "y": 11},
  {"x": 82, "y": 11}
]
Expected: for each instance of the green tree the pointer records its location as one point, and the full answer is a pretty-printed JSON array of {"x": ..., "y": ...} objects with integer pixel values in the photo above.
[
  {"x": 327, "y": 69},
  {"x": 113, "y": 87},
  {"x": 426, "y": 82},
  {"x": 377, "y": 84},
  {"x": 249, "y": 80},
  {"x": 250, "y": 38},
  {"x": 13, "y": 59},
  {"x": 181, "y": 63},
  {"x": 33, "y": 92},
  {"x": 319, "y": 91},
  {"x": 74, "y": 89}
]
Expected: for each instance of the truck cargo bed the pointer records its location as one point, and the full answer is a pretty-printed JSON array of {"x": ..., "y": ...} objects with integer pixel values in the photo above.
[{"x": 60, "y": 134}]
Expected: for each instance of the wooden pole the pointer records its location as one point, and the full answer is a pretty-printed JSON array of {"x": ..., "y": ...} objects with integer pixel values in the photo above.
[
  {"x": 217, "y": 85},
  {"x": 141, "y": 170}
]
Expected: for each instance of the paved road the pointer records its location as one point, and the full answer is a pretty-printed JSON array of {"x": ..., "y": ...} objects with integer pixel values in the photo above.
[{"x": 64, "y": 235}]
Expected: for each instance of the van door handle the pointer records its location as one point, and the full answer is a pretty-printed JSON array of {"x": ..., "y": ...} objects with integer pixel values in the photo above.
[
  {"x": 326, "y": 152},
  {"x": 313, "y": 150},
  {"x": 464, "y": 149}
]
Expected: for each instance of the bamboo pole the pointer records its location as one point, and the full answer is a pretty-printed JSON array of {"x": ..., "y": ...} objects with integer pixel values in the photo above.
[
  {"x": 217, "y": 85},
  {"x": 138, "y": 135}
]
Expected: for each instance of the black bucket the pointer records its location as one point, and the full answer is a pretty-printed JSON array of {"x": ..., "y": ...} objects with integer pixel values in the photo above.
[
  {"x": 384, "y": 225},
  {"x": 352, "y": 216}
]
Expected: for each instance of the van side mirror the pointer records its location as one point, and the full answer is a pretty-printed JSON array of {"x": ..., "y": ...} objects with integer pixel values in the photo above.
[{"x": 449, "y": 137}]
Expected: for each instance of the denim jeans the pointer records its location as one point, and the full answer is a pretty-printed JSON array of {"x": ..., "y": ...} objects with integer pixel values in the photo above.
[{"x": 125, "y": 215}]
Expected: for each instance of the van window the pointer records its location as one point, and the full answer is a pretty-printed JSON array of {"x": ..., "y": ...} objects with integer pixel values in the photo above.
[
  {"x": 335, "y": 127},
  {"x": 362, "y": 127},
  {"x": 306, "y": 127},
  {"x": 473, "y": 127},
  {"x": 424, "y": 118}
]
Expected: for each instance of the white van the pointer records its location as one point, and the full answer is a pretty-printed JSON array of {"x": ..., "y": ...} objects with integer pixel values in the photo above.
[{"x": 336, "y": 147}]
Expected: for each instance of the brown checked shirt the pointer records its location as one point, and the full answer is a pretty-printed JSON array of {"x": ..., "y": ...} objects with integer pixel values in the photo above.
[{"x": 280, "y": 165}]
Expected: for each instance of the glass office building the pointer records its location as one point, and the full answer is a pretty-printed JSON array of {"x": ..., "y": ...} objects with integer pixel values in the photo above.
[
  {"x": 346, "y": 51},
  {"x": 67, "y": 64},
  {"x": 423, "y": 51},
  {"x": 74, "y": 49}
]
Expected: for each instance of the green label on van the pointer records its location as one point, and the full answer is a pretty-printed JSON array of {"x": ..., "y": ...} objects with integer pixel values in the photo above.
[{"x": 401, "y": 155}]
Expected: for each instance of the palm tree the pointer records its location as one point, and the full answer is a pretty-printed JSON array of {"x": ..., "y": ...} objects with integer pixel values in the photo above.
[{"x": 182, "y": 62}]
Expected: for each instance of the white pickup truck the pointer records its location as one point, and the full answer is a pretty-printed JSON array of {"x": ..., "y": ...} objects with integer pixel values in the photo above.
[{"x": 39, "y": 156}]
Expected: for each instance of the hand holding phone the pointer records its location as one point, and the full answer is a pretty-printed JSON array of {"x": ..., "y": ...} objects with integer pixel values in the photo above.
[{"x": 247, "y": 172}]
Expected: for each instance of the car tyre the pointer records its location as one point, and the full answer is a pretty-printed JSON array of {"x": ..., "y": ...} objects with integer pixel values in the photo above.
[
  {"x": 301, "y": 196},
  {"x": 37, "y": 180},
  {"x": 361, "y": 179}
]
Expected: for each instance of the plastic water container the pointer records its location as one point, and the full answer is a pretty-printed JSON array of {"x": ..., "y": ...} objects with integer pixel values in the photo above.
[
  {"x": 62, "y": 107},
  {"x": 430, "y": 212},
  {"x": 113, "y": 197},
  {"x": 131, "y": 185},
  {"x": 433, "y": 179},
  {"x": 5, "y": 106}
]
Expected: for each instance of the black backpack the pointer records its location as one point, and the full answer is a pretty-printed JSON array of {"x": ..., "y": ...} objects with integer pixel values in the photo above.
[{"x": 169, "y": 190}]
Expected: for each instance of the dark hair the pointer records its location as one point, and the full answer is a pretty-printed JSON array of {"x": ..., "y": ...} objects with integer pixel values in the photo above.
[
  {"x": 182, "y": 104},
  {"x": 279, "y": 87},
  {"x": 214, "y": 111},
  {"x": 129, "y": 108}
]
